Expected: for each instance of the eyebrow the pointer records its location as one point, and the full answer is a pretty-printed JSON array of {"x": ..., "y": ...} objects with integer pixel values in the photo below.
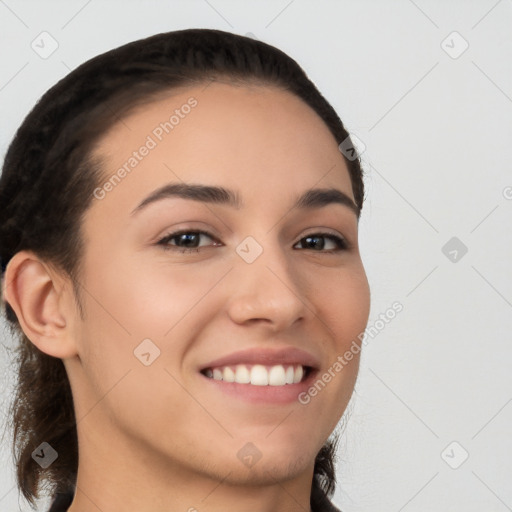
[{"x": 312, "y": 198}]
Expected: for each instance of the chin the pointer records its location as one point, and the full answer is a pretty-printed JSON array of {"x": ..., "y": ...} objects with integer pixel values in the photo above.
[
  {"x": 270, "y": 469},
  {"x": 266, "y": 459}
]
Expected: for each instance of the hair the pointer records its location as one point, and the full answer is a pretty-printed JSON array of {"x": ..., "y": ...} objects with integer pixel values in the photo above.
[{"x": 47, "y": 183}]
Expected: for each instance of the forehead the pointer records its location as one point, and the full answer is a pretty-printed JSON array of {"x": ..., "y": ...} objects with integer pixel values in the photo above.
[{"x": 256, "y": 137}]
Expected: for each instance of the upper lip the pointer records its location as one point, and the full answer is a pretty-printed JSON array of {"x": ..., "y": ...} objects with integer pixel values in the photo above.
[{"x": 266, "y": 356}]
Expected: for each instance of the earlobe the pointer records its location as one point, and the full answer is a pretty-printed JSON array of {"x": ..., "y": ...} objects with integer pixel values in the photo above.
[{"x": 35, "y": 296}]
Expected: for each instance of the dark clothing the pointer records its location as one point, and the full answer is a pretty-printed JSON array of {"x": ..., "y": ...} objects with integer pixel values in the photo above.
[
  {"x": 319, "y": 503},
  {"x": 61, "y": 502}
]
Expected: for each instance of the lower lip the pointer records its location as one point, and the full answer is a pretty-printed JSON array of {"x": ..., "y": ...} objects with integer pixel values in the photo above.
[{"x": 264, "y": 394}]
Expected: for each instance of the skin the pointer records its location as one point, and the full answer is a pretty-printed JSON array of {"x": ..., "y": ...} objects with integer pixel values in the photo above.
[{"x": 159, "y": 438}]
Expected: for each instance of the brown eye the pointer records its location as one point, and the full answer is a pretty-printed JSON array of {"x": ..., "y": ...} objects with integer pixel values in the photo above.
[
  {"x": 190, "y": 239},
  {"x": 316, "y": 241}
]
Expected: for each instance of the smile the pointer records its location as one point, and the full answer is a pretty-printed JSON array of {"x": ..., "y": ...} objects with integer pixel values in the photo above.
[{"x": 258, "y": 374}]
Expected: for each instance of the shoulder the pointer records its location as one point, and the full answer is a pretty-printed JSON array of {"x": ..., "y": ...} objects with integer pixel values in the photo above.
[
  {"x": 321, "y": 503},
  {"x": 61, "y": 502}
]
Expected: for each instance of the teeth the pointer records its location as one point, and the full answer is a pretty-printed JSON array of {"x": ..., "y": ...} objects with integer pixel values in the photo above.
[
  {"x": 258, "y": 375},
  {"x": 276, "y": 376},
  {"x": 290, "y": 372},
  {"x": 242, "y": 375},
  {"x": 299, "y": 372},
  {"x": 228, "y": 374}
]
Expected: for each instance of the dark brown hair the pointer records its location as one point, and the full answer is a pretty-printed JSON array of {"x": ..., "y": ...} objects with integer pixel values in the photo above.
[{"x": 47, "y": 185}]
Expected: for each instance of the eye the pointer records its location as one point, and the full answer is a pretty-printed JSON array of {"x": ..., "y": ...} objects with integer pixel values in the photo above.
[
  {"x": 190, "y": 239},
  {"x": 312, "y": 242},
  {"x": 187, "y": 237}
]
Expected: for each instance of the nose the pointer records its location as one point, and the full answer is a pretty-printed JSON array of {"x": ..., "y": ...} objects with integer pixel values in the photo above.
[{"x": 268, "y": 291}]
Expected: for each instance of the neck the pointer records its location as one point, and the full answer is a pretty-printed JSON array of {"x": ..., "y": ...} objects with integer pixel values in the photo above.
[{"x": 122, "y": 475}]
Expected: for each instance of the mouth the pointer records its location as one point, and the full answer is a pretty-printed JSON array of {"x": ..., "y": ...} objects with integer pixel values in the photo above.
[
  {"x": 266, "y": 376},
  {"x": 259, "y": 374},
  {"x": 262, "y": 385}
]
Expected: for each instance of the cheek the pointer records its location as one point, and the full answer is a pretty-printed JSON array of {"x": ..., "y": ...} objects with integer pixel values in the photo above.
[
  {"x": 145, "y": 301},
  {"x": 125, "y": 306},
  {"x": 342, "y": 303},
  {"x": 168, "y": 299},
  {"x": 346, "y": 305}
]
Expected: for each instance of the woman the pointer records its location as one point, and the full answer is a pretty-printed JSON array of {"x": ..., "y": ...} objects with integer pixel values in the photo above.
[{"x": 179, "y": 245}]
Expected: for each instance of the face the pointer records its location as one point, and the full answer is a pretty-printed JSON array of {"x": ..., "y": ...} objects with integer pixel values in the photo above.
[{"x": 261, "y": 291}]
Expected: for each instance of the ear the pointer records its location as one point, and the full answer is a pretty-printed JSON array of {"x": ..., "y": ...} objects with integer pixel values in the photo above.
[{"x": 38, "y": 297}]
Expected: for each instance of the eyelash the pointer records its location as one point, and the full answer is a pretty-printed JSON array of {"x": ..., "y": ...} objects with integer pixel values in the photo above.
[{"x": 342, "y": 244}]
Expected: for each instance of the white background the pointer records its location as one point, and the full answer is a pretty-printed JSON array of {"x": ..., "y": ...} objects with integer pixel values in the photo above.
[{"x": 437, "y": 132}]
